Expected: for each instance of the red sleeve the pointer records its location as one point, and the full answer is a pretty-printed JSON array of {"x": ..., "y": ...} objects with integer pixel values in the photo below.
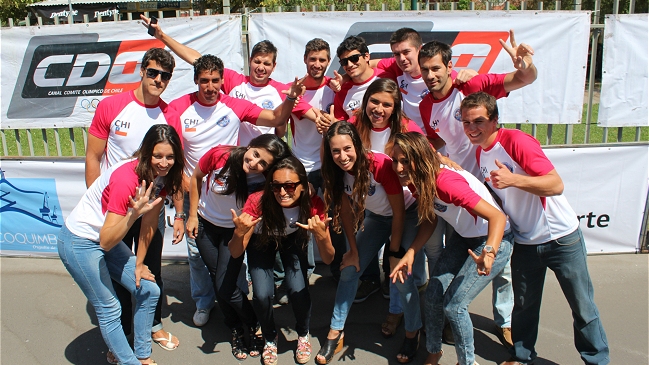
[
  {"x": 339, "y": 99},
  {"x": 425, "y": 110},
  {"x": 107, "y": 111},
  {"x": 253, "y": 205},
  {"x": 318, "y": 207},
  {"x": 381, "y": 167},
  {"x": 121, "y": 185},
  {"x": 453, "y": 188},
  {"x": 231, "y": 79},
  {"x": 413, "y": 127},
  {"x": 214, "y": 158},
  {"x": 388, "y": 68},
  {"x": 492, "y": 84},
  {"x": 526, "y": 151},
  {"x": 244, "y": 109}
]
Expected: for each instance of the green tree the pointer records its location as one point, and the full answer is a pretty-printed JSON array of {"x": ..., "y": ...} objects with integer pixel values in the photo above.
[{"x": 16, "y": 9}]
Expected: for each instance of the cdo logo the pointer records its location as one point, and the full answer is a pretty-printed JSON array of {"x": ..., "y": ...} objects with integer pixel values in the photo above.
[{"x": 59, "y": 69}]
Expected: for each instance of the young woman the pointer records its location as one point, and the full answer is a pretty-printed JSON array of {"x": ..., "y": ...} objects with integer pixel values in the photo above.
[
  {"x": 232, "y": 172},
  {"x": 477, "y": 251},
  {"x": 378, "y": 120},
  {"x": 376, "y": 210},
  {"x": 279, "y": 212},
  {"x": 90, "y": 243}
]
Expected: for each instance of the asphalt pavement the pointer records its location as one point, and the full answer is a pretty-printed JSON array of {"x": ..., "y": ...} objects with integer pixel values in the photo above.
[{"x": 46, "y": 319}]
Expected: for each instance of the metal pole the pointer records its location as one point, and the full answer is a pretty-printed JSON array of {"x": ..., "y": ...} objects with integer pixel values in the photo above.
[
  {"x": 591, "y": 77},
  {"x": 70, "y": 17}
]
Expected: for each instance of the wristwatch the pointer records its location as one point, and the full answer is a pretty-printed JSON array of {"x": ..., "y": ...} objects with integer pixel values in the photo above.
[
  {"x": 490, "y": 249},
  {"x": 181, "y": 215},
  {"x": 399, "y": 254}
]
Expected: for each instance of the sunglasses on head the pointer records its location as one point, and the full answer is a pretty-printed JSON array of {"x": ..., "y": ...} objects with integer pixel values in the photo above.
[
  {"x": 288, "y": 187},
  {"x": 152, "y": 73},
  {"x": 353, "y": 58}
]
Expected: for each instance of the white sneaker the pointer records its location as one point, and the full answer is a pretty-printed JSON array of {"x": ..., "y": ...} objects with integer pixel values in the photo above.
[{"x": 201, "y": 317}]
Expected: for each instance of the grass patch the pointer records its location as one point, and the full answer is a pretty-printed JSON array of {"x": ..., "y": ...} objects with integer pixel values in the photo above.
[{"x": 558, "y": 136}]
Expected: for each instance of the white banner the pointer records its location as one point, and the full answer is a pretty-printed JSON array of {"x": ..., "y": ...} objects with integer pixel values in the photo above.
[
  {"x": 607, "y": 188},
  {"x": 625, "y": 72},
  {"x": 559, "y": 40},
  {"x": 37, "y": 196},
  {"x": 54, "y": 76}
]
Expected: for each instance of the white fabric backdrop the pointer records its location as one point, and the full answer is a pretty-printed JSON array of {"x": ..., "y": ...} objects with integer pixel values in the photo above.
[
  {"x": 27, "y": 101},
  {"x": 625, "y": 72},
  {"x": 559, "y": 39}
]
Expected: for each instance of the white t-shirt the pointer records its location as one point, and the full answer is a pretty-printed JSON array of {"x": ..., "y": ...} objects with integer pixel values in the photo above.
[
  {"x": 350, "y": 96},
  {"x": 206, "y": 126},
  {"x": 535, "y": 219}
]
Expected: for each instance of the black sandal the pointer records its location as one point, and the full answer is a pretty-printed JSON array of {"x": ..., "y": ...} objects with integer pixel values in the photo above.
[
  {"x": 330, "y": 348},
  {"x": 256, "y": 339},
  {"x": 409, "y": 349},
  {"x": 239, "y": 350}
]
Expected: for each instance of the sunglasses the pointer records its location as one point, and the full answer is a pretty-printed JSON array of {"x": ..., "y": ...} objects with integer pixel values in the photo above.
[
  {"x": 353, "y": 58},
  {"x": 288, "y": 187},
  {"x": 152, "y": 73}
]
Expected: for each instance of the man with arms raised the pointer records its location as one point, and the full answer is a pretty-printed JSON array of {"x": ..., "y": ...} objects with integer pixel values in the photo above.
[
  {"x": 116, "y": 132},
  {"x": 546, "y": 231}
]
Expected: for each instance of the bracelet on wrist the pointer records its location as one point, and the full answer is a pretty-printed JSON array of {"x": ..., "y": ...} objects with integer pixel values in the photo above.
[
  {"x": 399, "y": 254},
  {"x": 288, "y": 97},
  {"x": 179, "y": 216}
]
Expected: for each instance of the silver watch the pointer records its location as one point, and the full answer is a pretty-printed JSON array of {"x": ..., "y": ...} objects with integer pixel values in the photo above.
[{"x": 490, "y": 249}]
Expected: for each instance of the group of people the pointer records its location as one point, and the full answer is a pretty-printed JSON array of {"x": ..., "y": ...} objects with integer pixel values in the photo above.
[{"x": 406, "y": 153}]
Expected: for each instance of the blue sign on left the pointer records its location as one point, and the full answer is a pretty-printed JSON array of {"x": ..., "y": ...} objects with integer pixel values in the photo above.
[{"x": 30, "y": 214}]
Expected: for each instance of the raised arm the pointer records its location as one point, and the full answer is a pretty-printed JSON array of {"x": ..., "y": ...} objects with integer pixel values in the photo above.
[
  {"x": 521, "y": 55},
  {"x": 279, "y": 116},
  {"x": 189, "y": 55}
]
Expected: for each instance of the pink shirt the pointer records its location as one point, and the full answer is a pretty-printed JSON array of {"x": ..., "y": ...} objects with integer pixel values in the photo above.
[{"x": 291, "y": 215}]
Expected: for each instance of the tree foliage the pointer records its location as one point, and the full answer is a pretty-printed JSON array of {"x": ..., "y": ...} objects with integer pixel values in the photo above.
[{"x": 16, "y": 9}]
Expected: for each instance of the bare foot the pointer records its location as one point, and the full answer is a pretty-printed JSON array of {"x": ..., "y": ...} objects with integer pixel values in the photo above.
[
  {"x": 162, "y": 338},
  {"x": 433, "y": 359}
]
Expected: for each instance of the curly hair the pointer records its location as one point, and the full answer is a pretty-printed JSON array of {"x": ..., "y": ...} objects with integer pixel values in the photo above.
[
  {"x": 273, "y": 224},
  {"x": 232, "y": 172},
  {"x": 424, "y": 166},
  {"x": 333, "y": 176},
  {"x": 396, "y": 120},
  {"x": 209, "y": 63},
  {"x": 161, "y": 133}
]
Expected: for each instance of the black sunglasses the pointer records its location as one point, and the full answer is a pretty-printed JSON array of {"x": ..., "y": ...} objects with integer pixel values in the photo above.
[
  {"x": 353, "y": 58},
  {"x": 152, "y": 73},
  {"x": 288, "y": 187}
]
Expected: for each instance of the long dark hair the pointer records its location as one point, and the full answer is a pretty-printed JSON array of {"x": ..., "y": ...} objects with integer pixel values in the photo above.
[
  {"x": 333, "y": 175},
  {"x": 232, "y": 172},
  {"x": 273, "y": 224},
  {"x": 396, "y": 120},
  {"x": 161, "y": 133}
]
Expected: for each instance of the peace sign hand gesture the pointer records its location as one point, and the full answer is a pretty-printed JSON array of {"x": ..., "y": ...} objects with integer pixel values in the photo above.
[{"x": 521, "y": 54}]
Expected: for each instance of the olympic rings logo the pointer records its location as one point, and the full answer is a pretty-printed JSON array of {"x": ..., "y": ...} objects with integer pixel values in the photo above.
[{"x": 89, "y": 104}]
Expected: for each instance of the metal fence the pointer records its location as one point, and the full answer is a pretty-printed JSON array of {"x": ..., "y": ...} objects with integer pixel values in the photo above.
[{"x": 67, "y": 141}]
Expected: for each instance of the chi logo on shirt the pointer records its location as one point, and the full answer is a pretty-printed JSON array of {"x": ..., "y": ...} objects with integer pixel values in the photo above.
[
  {"x": 372, "y": 190},
  {"x": 485, "y": 173},
  {"x": 239, "y": 95},
  {"x": 224, "y": 121},
  {"x": 433, "y": 125},
  {"x": 190, "y": 125},
  {"x": 457, "y": 114},
  {"x": 267, "y": 104},
  {"x": 348, "y": 188},
  {"x": 353, "y": 105},
  {"x": 403, "y": 87},
  {"x": 440, "y": 207},
  {"x": 121, "y": 127}
]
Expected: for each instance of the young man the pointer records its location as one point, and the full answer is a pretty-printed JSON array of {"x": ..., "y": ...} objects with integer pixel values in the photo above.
[
  {"x": 116, "y": 132},
  {"x": 208, "y": 118},
  {"x": 440, "y": 112},
  {"x": 546, "y": 231}
]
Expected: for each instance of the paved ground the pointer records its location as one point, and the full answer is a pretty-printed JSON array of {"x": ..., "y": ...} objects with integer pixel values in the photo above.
[{"x": 46, "y": 319}]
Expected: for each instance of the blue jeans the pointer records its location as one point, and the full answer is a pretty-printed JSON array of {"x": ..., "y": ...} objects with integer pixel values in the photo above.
[
  {"x": 92, "y": 269},
  {"x": 453, "y": 286},
  {"x": 261, "y": 260},
  {"x": 225, "y": 271},
  {"x": 565, "y": 256},
  {"x": 502, "y": 297},
  {"x": 418, "y": 277},
  {"x": 199, "y": 276},
  {"x": 377, "y": 231}
]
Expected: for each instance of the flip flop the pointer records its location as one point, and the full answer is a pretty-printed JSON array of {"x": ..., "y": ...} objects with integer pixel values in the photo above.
[{"x": 170, "y": 346}]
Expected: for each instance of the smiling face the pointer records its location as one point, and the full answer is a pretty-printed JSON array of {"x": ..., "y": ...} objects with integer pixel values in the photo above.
[
  {"x": 343, "y": 151},
  {"x": 477, "y": 126},
  {"x": 209, "y": 84},
  {"x": 379, "y": 109},
  {"x": 357, "y": 69},
  {"x": 436, "y": 75},
  {"x": 256, "y": 160},
  {"x": 162, "y": 158},
  {"x": 262, "y": 66},
  {"x": 401, "y": 165},
  {"x": 316, "y": 64},
  {"x": 405, "y": 54},
  {"x": 287, "y": 188},
  {"x": 153, "y": 87}
]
